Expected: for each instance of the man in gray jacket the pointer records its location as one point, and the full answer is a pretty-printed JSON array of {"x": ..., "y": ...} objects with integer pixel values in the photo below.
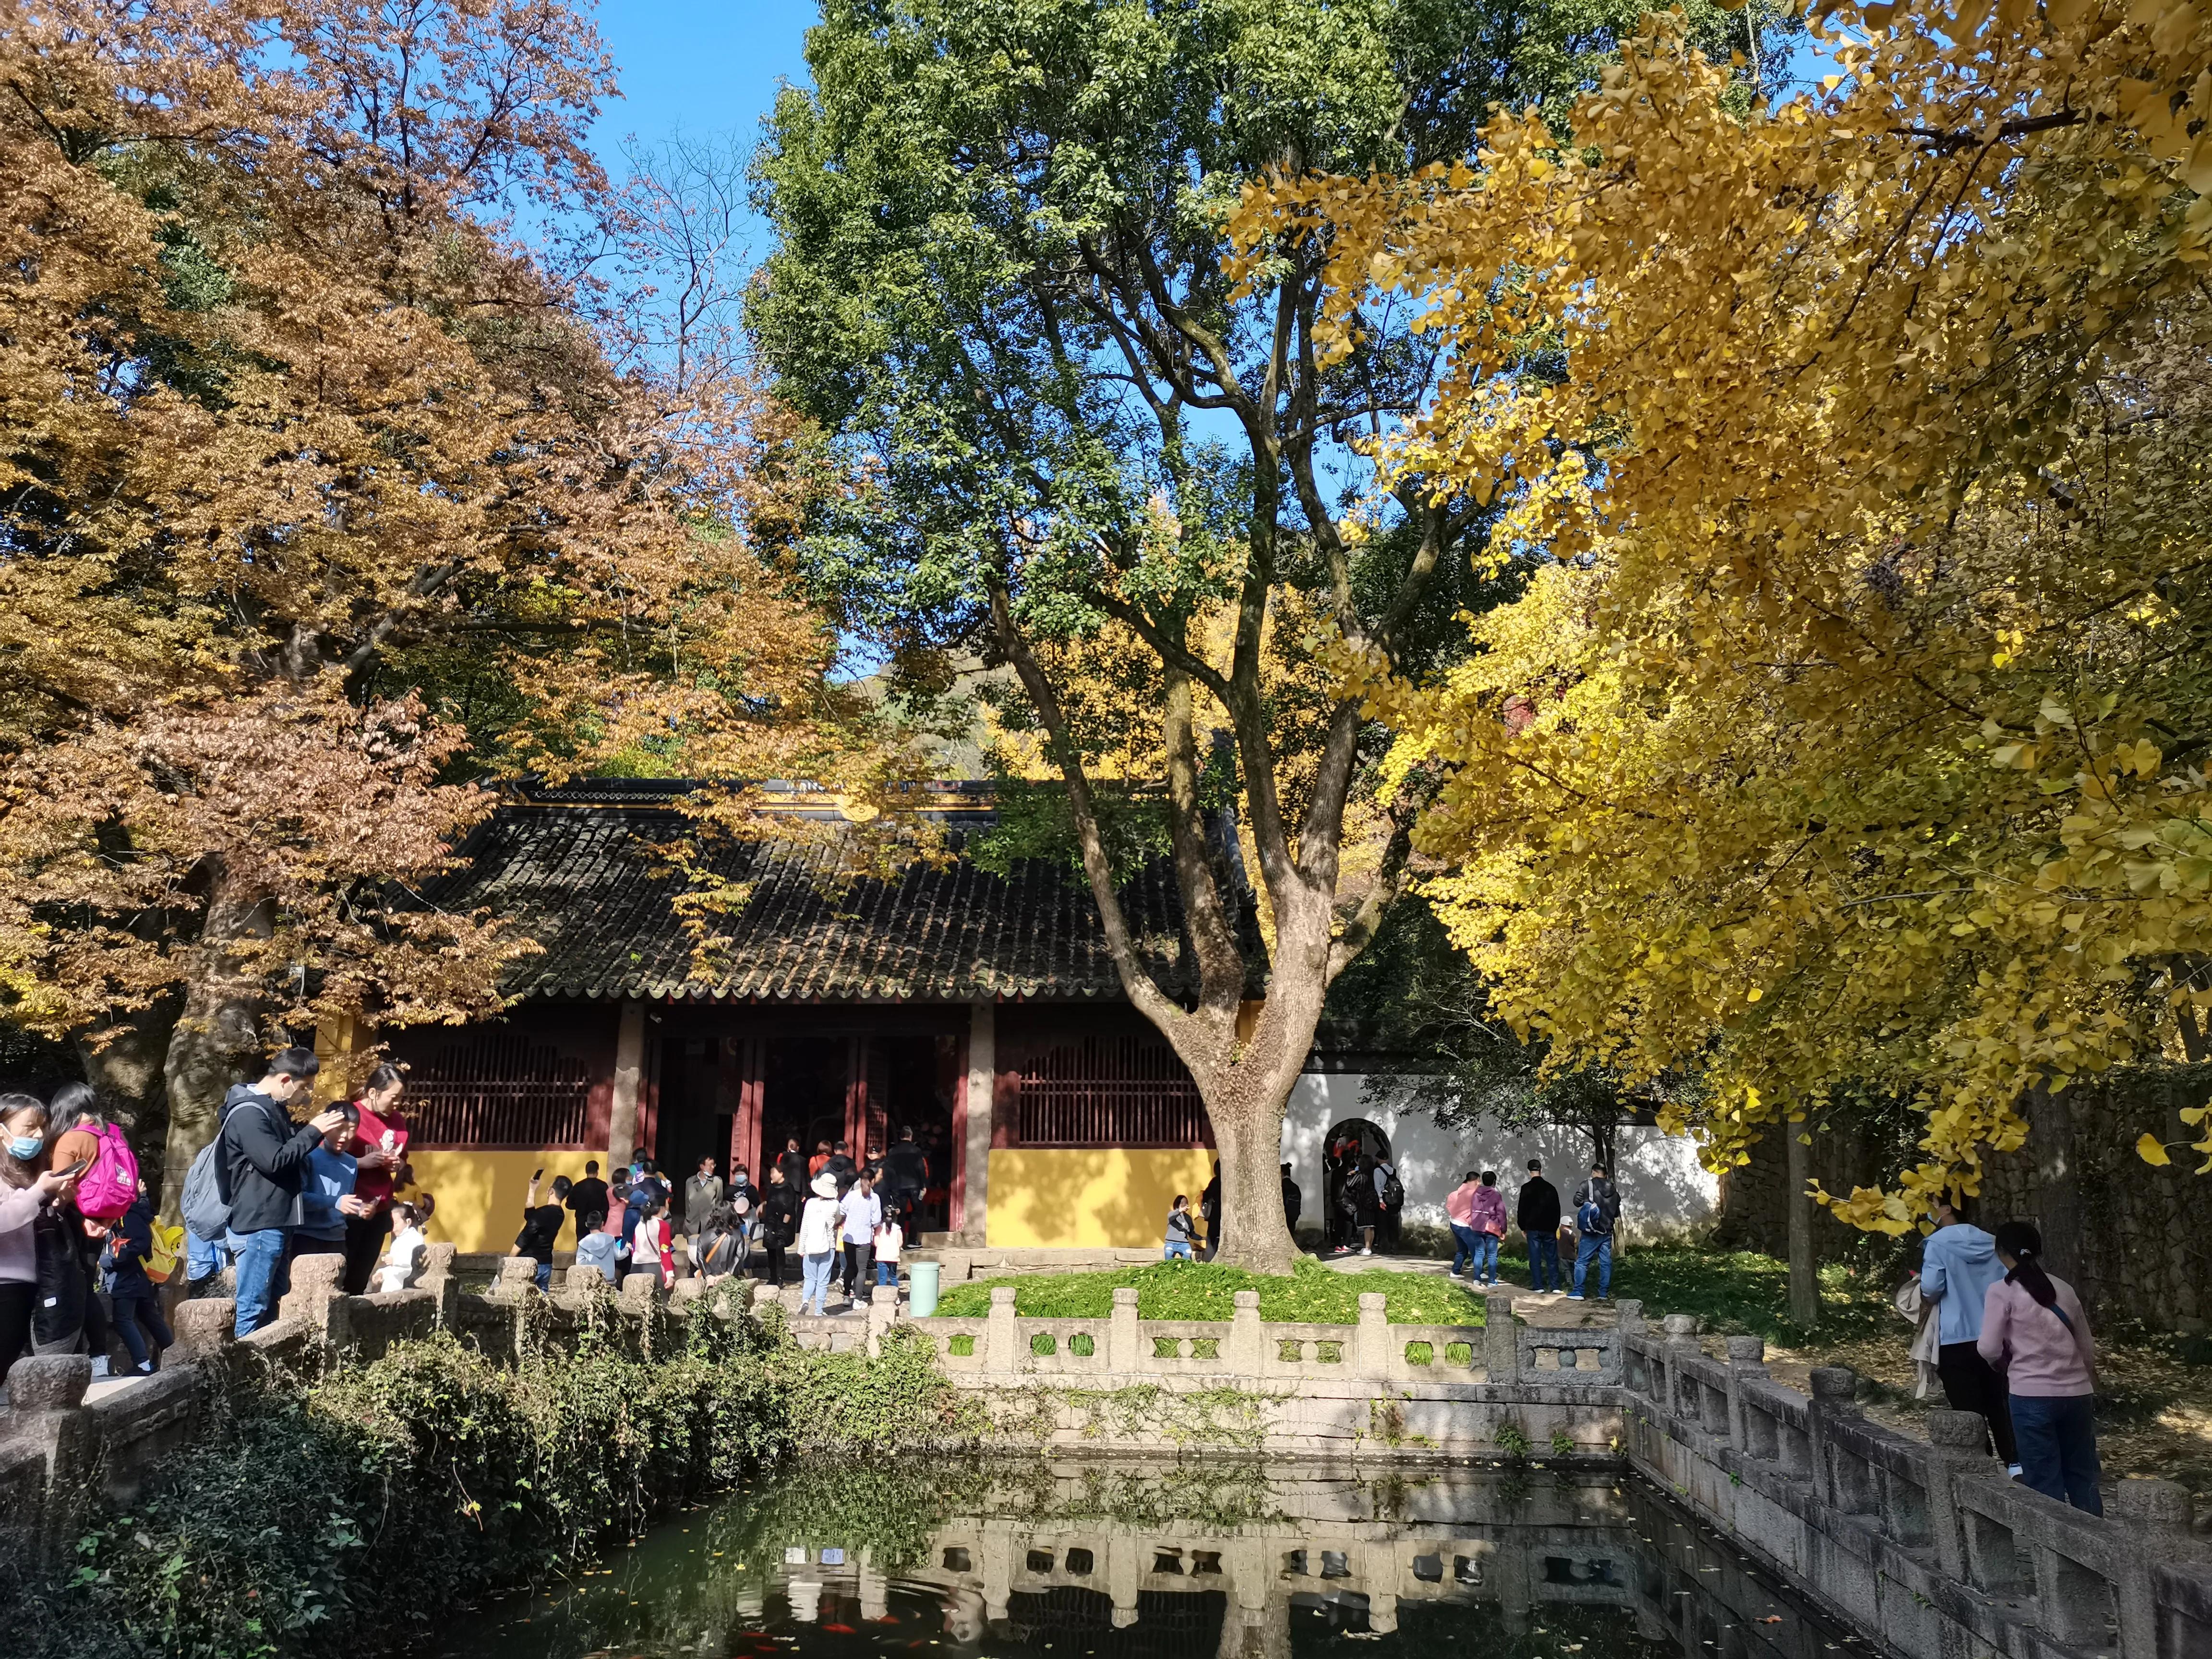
[{"x": 701, "y": 1194}]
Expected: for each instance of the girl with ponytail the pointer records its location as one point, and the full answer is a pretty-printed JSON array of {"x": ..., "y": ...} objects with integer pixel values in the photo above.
[{"x": 2035, "y": 1333}]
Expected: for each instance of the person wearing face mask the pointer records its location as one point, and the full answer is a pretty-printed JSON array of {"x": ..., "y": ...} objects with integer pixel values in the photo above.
[{"x": 26, "y": 1187}]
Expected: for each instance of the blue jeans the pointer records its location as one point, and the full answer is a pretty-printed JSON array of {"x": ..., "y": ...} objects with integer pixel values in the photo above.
[
  {"x": 886, "y": 1272},
  {"x": 1590, "y": 1245},
  {"x": 1544, "y": 1262},
  {"x": 1464, "y": 1249},
  {"x": 2057, "y": 1439},
  {"x": 1481, "y": 1251},
  {"x": 544, "y": 1275},
  {"x": 814, "y": 1280},
  {"x": 1178, "y": 1249},
  {"x": 205, "y": 1258},
  {"x": 261, "y": 1276}
]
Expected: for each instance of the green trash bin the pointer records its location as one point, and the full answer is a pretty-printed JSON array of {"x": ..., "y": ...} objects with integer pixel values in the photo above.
[{"x": 921, "y": 1288}]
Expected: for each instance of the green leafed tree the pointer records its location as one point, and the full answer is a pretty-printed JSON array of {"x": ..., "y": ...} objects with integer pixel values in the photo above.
[{"x": 998, "y": 285}]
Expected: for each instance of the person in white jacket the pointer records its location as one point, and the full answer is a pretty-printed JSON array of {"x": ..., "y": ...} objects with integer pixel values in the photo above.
[{"x": 817, "y": 1244}]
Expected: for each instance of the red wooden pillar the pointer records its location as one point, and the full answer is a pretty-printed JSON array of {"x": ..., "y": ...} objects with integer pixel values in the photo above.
[
  {"x": 856, "y": 1097},
  {"x": 744, "y": 1062}
]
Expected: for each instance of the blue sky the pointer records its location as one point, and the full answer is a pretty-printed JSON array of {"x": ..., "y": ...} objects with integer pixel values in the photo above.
[{"x": 702, "y": 65}]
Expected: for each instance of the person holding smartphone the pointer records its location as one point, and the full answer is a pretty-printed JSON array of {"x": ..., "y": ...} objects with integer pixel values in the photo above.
[
  {"x": 541, "y": 1225},
  {"x": 26, "y": 1187},
  {"x": 262, "y": 1165}
]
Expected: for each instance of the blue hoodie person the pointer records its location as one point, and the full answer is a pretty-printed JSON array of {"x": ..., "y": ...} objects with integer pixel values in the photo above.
[{"x": 1957, "y": 1265}]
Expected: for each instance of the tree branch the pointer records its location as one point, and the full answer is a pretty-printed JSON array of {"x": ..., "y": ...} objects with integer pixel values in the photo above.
[{"x": 1137, "y": 982}]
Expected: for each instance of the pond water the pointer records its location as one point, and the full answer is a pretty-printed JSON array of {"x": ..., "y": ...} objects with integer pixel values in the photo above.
[{"x": 1208, "y": 1560}]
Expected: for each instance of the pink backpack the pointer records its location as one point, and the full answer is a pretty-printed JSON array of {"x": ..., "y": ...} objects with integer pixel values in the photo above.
[{"x": 110, "y": 1186}]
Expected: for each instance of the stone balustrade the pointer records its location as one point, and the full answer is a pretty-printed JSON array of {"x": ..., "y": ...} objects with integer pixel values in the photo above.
[
  {"x": 1927, "y": 1547},
  {"x": 1502, "y": 1352}
]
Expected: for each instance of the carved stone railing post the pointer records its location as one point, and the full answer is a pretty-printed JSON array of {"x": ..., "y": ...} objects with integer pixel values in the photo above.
[
  {"x": 206, "y": 1329},
  {"x": 2156, "y": 1516},
  {"x": 316, "y": 1296},
  {"x": 883, "y": 1314},
  {"x": 1681, "y": 1336},
  {"x": 1747, "y": 1363},
  {"x": 1245, "y": 1352},
  {"x": 1371, "y": 1338},
  {"x": 1958, "y": 1449},
  {"x": 1000, "y": 1337},
  {"x": 1501, "y": 1355},
  {"x": 45, "y": 1401},
  {"x": 439, "y": 1279},
  {"x": 515, "y": 1280},
  {"x": 1835, "y": 1389},
  {"x": 1124, "y": 1338}
]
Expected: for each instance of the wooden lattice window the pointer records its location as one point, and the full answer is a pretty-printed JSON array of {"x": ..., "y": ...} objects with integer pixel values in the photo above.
[
  {"x": 1110, "y": 1091},
  {"x": 501, "y": 1090}
]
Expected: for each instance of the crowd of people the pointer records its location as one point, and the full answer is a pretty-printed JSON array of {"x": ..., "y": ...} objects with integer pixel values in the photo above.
[
  {"x": 266, "y": 1191},
  {"x": 846, "y": 1220},
  {"x": 1365, "y": 1199}
]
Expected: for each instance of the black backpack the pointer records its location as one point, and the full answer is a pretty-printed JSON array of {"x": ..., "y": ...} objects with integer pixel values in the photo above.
[{"x": 1394, "y": 1195}]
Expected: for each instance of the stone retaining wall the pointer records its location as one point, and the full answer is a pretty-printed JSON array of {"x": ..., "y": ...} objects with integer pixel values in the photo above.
[{"x": 1928, "y": 1548}]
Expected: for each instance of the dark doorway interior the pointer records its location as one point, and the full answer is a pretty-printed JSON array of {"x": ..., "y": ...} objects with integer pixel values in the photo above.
[
  {"x": 920, "y": 1074},
  {"x": 1345, "y": 1143},
  {"x": 805, "y": 1080},
  {"x": 685, "y": 1126}
]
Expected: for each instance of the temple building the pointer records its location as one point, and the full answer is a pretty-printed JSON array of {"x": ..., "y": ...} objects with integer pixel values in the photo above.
[{"x": 979, "y": 1009}]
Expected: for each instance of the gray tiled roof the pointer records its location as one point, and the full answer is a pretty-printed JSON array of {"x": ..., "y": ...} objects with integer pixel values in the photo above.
[{"x": 578, "y": 870}]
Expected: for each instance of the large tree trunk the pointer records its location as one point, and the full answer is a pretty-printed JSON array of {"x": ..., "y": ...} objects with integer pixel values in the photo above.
[
  {"x": 2056, "y": 1177},
  {"x": 1804, "y": 1261},
  {"x": 1245, "y": 1097},
  {"x": 217, "y": 1035},
  {"x": 1247, "y": 1132},
  {"x": 123, "y": 1060}
]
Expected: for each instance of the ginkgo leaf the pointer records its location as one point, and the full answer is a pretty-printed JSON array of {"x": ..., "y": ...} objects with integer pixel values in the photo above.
[{"x": 2151, "y": 1149}]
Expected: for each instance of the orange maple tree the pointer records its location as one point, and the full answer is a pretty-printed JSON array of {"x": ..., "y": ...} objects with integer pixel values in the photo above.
[{"x": 289, "y": 423}]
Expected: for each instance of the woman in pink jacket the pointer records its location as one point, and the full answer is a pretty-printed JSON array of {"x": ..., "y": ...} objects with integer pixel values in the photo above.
[
  {"x": 2035, "y": 1335},
  {"x": 1476, "y": 1210}
]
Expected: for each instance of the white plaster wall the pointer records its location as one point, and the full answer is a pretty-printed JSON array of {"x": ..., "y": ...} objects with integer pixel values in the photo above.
[{"x": 1662, "y": 1189}]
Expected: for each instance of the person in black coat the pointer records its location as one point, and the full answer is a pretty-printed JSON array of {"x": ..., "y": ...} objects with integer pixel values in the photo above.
[
  {"x": 589, "y": 1199},
  {"x": 1209, "y": 1206},
  {"x": 1360, "y": 1203},
  {"x": 1537, "y": 1214},
  {"x": 778, "y": 1209},
  {"x": 1293, "y": 1201},
  {"x": 906, "y": 1175},
  {"x": 263, "y": 1163}
]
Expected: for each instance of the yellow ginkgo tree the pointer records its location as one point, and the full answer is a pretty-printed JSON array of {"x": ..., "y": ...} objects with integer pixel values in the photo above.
[{"x": 1854, "y": 725}]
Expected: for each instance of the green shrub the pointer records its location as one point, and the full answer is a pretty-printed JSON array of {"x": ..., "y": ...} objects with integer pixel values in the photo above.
[{"x": 348, "y": 1514}]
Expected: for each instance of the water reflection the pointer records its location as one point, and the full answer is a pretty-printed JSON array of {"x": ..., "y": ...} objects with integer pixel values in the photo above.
[{"x": 1209, "y": 1561}]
